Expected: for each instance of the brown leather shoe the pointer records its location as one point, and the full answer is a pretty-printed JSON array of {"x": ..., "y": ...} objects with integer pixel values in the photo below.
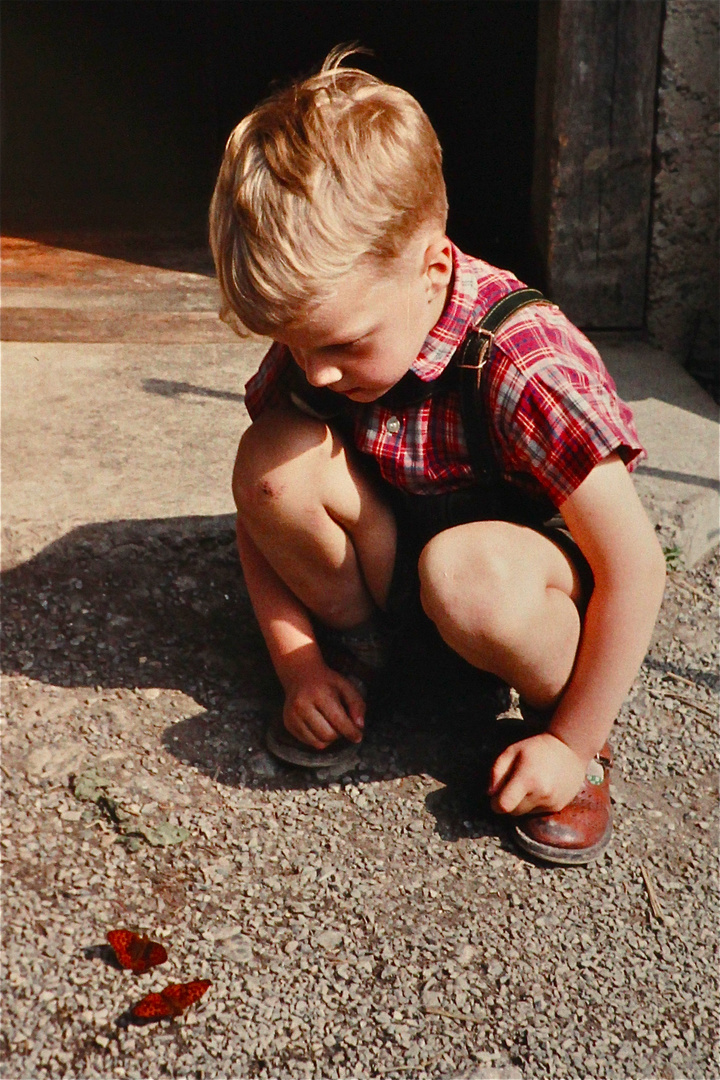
[{"x": 579, "y": 833}]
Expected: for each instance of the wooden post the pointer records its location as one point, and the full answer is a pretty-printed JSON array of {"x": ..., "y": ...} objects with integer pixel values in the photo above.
[{"x": 595, "y": 108}]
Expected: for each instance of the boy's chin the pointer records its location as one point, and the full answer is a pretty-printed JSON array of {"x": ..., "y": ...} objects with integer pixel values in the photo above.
[{"x": 363, "y": 397}]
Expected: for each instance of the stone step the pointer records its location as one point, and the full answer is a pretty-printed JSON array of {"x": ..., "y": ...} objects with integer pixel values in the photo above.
[{"x": 110, "y": 325}]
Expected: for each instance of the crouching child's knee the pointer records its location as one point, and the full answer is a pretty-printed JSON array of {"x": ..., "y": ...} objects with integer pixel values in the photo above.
[{"x": 252, "y": 488}]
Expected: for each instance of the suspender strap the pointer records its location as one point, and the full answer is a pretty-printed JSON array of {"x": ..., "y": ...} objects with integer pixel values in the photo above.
[
  {"x": 471, "y": 359},
  {"x": 479, "y": 339}
]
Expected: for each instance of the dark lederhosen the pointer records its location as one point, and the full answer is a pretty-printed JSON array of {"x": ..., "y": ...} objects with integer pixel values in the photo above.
[{"x": 490, "y": 498}]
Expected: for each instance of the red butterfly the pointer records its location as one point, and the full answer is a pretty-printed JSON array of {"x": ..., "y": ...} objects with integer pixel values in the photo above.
[
  {"x": 136, "y": 951},
  {"x": 172, "y": 1001}
]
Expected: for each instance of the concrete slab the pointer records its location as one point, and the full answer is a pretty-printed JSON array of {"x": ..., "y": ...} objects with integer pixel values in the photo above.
[
  {"x": 46, "y": 324},
  {"x": 111, "y": 432},
  {"x": 195, "y": 292},
  {"x": 678, "y": 423}
]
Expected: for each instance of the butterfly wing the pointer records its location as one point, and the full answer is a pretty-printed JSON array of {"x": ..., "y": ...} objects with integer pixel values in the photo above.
[
  {"x": 121, "y": 944},
  {"x": 147, "y": 954},
  {"x": 152, "y": 1007},
  {"x": 172, "y": 1001},
  {"x": 181, "y": 996},
  {"x": 135, "y": 951}
]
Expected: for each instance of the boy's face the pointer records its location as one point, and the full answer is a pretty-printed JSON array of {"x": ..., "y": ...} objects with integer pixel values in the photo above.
[{"x": 365, "y": 337}]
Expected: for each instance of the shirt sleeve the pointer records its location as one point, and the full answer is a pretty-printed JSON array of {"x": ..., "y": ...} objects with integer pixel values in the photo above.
[
  {"x": 266, "y": 387},
  {"x": 558, "y": 413}
]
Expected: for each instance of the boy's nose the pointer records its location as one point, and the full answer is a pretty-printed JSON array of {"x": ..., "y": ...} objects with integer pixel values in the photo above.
[{"x": 320, "y": 372}]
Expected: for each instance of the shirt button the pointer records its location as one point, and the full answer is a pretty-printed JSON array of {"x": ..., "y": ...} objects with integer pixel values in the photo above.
[{"x": 393, "y": 425}]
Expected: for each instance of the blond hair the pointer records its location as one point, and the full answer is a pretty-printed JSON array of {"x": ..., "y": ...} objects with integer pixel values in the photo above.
[{"x": 336, "y": 169}]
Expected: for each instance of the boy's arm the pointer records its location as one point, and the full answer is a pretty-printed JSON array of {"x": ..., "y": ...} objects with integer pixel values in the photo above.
[
  {"x": 319, "y": 703},
  {"x": 608, "y": 522}
]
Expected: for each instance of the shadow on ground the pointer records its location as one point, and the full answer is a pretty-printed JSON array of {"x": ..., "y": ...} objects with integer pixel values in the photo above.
[{"x": 142, "y": 605}]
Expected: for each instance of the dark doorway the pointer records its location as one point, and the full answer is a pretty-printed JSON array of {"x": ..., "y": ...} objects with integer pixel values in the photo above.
[{"x": 115, "y": 114}]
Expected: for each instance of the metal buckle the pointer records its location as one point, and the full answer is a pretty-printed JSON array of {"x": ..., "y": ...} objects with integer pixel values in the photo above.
[
  {"x": 483, "y": 351},
  {"x": 595, "y": 772}
]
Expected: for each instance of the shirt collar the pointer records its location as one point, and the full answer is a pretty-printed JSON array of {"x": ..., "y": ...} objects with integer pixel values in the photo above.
[{"x": 451, "y": 327}]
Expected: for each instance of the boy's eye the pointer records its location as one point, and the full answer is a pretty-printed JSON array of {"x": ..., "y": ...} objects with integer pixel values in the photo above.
[
  {"x": 346, "y": 346},
  {"x": 341, "y": 346}
]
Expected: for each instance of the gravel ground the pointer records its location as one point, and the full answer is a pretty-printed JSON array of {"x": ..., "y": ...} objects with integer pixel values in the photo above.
[{"x": 374, "y": 924}]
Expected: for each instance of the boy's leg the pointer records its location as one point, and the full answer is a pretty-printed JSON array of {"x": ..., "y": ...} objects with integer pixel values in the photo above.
[
  {"x": 315, "y": 516},
  {"x": 320, "y": 524},
  {"x": 505, "y": 597},
  {"x": 508, "y": 600}
]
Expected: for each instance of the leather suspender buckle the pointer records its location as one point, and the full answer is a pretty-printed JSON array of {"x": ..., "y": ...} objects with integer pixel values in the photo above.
[{"x": 480, "y": 356}]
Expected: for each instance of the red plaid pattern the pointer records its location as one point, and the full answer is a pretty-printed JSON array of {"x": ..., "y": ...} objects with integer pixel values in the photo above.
[{"x": 555, "y": 408}]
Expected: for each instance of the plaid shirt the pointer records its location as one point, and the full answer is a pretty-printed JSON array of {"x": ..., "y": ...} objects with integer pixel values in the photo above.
[{"x": 554, "y": 407}]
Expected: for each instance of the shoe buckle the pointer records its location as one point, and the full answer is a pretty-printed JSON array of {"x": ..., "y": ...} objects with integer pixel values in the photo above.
[{"x": 595, "y": 772}]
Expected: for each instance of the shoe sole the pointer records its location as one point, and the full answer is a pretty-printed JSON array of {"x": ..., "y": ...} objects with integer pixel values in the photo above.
[
  {"x": 563, "y": 856},
  {"x": 283, "y": 746}
]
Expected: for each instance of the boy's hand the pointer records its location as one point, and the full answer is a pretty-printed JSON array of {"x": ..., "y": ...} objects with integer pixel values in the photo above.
[
  {"x": 539, "y": 774},
  {"x": 321, "y": 705}
]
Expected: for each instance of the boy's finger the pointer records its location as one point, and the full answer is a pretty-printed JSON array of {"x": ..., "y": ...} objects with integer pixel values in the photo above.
[
  {"x": 502, "y": 769},
  {"x": 526, "y": 806},
  {"x": 334, "y": 713},
  {"x": 310, "y": 719},
  {"x": 509, "y": 791},
  {"x": 510, "y": 799},
  {"x": 354, "y": 703},
  {"x": 307, "y": 734}
]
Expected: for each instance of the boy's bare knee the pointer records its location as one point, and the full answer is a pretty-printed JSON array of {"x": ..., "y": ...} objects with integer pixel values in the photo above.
[
  {"x": 254, "y": 496},
  {"x": 465, "y": 580},
  {"x": 250, "y": 484},
  {"x": 273, "y": 452}
]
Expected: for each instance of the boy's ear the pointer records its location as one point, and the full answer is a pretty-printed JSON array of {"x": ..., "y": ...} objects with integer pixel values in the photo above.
[{"x": 438, "y": 265}]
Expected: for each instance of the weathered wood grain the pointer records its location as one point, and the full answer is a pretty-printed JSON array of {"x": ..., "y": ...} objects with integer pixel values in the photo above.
[{"x": 595, "y": 104}]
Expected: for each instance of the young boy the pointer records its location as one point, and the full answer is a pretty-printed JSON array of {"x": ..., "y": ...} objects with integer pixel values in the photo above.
[{"x": 364, "y": 457}]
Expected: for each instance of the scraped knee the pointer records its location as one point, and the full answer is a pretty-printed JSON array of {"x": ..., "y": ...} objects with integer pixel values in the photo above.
[{"x": 277, "y": 459}]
